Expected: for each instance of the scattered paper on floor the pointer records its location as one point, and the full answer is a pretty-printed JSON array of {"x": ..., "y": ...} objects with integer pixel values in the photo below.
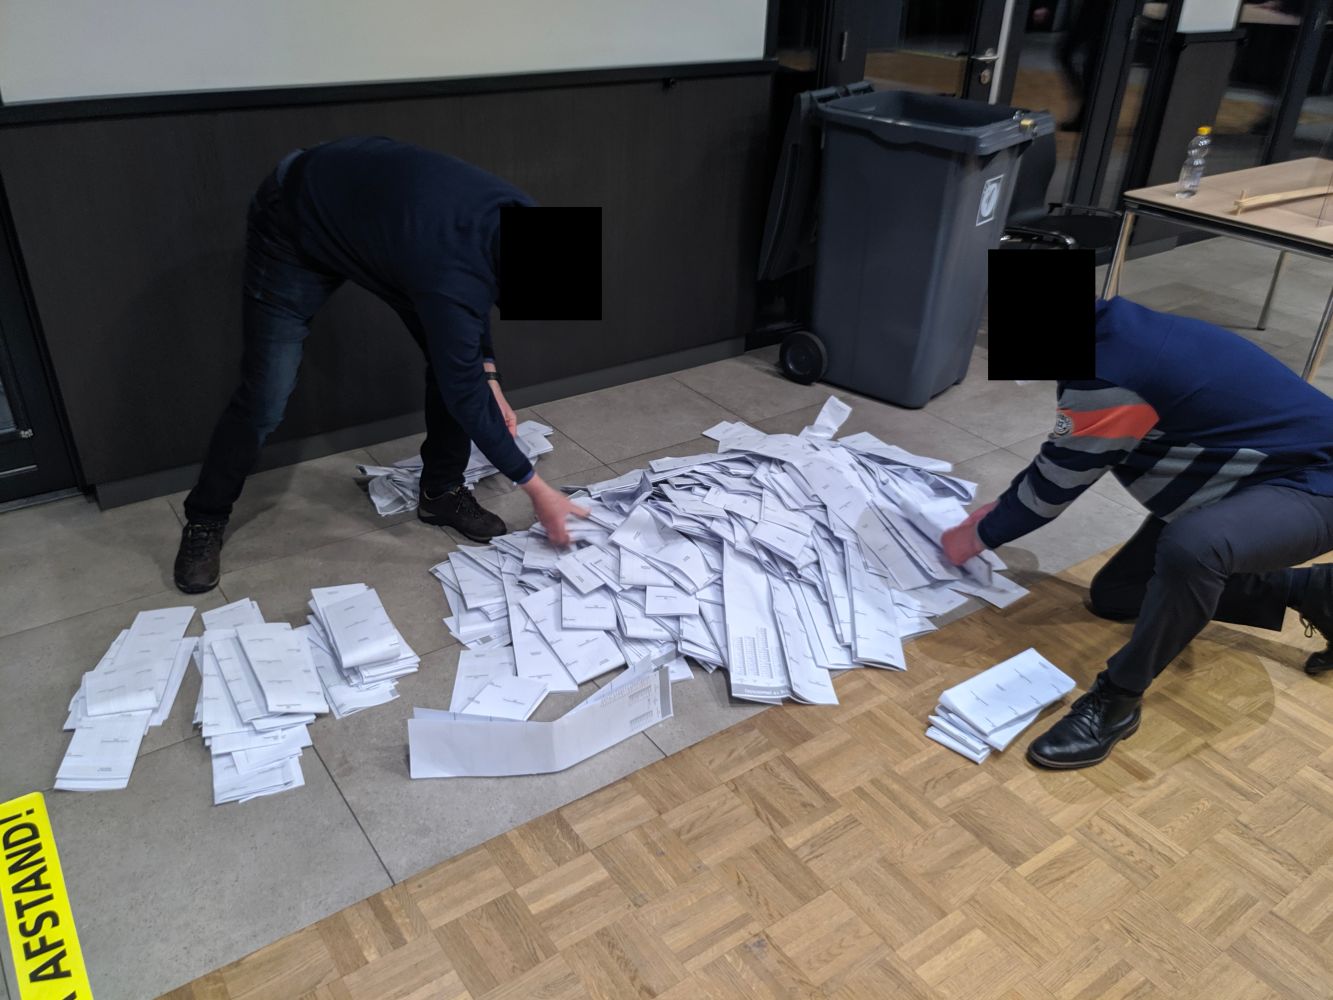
[
  {"x": 129, "y": 691},
  {"x": 261, "y": 685},
  {"x": 780, "y": 558},
  {"x": 394, "y": 488}
]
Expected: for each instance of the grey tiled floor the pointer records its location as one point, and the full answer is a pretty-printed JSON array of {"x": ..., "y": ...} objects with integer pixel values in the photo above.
[{"x": 206, "y": 885}]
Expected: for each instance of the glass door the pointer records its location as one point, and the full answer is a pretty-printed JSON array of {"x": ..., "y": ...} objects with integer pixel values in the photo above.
[
  {"x": 953, "y": 47},
  {"x": 34, "y": 458}
]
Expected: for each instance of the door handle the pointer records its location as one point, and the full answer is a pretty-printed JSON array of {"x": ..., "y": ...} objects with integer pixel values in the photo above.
[{"x": 989, "y": 56}]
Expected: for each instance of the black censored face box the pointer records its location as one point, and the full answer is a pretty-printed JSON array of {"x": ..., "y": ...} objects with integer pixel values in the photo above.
[
  {"x": 1041, "y": 315},
  {"x": 550, "y": 263}
]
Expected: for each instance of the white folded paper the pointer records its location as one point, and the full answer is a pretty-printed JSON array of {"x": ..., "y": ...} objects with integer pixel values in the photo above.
[
  {"x": 448, "y": 745},
  {"x": 130, "y": 690},
  {"x": 507, "y": 697},
  {"x": 102, "y": 753},
  {"x": 136, "y": 678},
  {"x": 476, "y": 669},
  {"x": 360, "y": 630},
  {"x": 394, "y": 489},
  {"x": 279, "y": 657},
  {"x": 988, "y": 711}
]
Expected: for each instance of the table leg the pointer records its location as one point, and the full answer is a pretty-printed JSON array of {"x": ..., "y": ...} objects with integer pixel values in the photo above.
[
  {"x": 1112, "y": 287},
  {"x": 1272, "y": 288},
  {"x": 1320, "y": 343}
]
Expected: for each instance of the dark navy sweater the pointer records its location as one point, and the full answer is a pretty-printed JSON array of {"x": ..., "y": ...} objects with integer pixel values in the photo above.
[
  {"x": 420, "y": 230},
  {"x": 1183, "y": 413}
]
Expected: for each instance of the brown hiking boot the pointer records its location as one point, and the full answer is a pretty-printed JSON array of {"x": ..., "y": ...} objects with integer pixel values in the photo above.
[
  {"x": 199, "y": 558},
  {"x": 458, "y": 509}
]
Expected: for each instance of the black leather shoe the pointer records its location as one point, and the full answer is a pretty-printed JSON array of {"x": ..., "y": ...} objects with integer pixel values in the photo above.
[
  {"x": 1316, "y": 611},
  {"x": 199, "y": 558},
  {"x": 1110, "y": 616},
  {"x": 458, "y": 509},
  {"x": 1095, "y": 724},
  {"x": 1318, "y": 663}
]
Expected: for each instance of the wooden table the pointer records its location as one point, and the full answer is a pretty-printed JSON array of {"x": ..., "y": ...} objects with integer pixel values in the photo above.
[{"x": 1304, "y": 227}]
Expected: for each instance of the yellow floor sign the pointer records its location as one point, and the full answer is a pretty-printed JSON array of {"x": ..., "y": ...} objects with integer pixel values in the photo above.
[{"x": 48, "y": 963}]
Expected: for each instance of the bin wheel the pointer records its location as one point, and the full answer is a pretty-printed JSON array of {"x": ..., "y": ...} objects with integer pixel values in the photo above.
[{"x": 803, "y": 358}]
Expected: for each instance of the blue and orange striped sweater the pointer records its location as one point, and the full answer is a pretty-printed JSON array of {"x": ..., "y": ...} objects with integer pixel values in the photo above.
[{"x": 1183, "y": 413}]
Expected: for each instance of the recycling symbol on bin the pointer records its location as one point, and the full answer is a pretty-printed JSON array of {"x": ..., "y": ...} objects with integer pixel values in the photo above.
[{"x": 990, "y": 199}]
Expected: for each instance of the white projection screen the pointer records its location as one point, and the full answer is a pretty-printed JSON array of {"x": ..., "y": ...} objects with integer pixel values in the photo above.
[{"x": 52, "y": 50}]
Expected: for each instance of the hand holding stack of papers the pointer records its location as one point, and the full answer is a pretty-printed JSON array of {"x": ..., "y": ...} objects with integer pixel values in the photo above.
[
  {"x": 130, "y": 690},
  {"x": 393, "y": 488},
  {"x": 988, "y": 711}
]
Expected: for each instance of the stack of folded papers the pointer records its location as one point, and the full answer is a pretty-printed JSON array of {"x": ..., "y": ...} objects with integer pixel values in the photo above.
[
  {"x": 780, "y": 558},
  {"x": 487, "y": 684},
  {"x": 393, "y": 488},
  {"x": 131, "y": 690},
  {"x": 358, "y": 652},
  {"x": 258, "y": 693},
  {"x": 261, "y": 685},
  {"x": 988, "y": 711}
]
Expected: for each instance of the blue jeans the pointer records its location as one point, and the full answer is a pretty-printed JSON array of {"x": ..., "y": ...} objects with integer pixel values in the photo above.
[{"x": 284, "y": 289}]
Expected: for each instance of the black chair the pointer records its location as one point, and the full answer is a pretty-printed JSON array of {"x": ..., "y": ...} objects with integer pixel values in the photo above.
[{"x": 1034, "y": 224}]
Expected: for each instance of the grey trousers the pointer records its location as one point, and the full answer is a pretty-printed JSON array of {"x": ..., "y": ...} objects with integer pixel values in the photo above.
[{"x": 1225, "y": 562}]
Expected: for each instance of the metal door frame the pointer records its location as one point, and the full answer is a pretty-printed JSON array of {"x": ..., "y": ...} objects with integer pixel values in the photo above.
[
  {"x": 1296, "y": 83},
  {"x": 996, "y": 40},
  {"x": 35, "y": 458}
]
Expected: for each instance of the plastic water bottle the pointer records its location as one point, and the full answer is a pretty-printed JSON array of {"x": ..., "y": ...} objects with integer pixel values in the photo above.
[{"x": 1192, "y": 172}]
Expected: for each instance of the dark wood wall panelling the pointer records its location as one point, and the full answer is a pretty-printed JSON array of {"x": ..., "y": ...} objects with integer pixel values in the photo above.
[{"x": 132, "y": 228}]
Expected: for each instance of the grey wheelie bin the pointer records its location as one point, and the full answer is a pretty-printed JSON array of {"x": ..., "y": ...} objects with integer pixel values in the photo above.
[{"x": 913, "y": 194}]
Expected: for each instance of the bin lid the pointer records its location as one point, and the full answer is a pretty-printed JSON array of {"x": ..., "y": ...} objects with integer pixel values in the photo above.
[{"x": 952, "y": 123}]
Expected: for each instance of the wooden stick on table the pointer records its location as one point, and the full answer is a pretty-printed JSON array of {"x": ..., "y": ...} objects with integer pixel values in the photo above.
[{"x": 1278, "y": 197}]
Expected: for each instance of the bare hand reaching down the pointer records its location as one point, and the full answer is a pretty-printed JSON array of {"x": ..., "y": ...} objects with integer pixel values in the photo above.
[
  {"x": 552, "y": 508},
  {"x": 961, "y": 542}
]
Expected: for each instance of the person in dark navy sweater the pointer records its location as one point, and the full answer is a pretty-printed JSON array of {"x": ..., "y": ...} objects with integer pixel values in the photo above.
[
  {"x": 1232, "y": 455},
  {"x": 420, "y": 230}
]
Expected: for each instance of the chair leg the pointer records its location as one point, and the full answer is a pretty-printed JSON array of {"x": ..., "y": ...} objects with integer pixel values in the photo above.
[
  {"x": 1320, "y": 344},
  {"x": 1112, "y": 287},
  {"x": 1272, "y": 288}
]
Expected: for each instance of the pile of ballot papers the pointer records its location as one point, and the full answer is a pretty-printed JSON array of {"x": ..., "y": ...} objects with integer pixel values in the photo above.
[
  {"x": 393, "y": 488},
  {"x": 988, "y": 711},
  {"x": 130, "y": 691},
  {"x": 358, "y": 652},
  {"x": 261, "y": 685},
  {"x": 264, "y": 683},
  {"x": 780, "y": 558},
  {"x": 259, "y": 692}
]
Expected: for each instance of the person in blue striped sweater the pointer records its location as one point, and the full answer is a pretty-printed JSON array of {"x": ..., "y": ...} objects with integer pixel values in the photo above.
[{"x": 1232, "y": 455}]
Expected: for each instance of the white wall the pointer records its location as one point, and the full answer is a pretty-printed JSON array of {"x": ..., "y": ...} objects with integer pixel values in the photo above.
[{"x": 64, "y": 49}]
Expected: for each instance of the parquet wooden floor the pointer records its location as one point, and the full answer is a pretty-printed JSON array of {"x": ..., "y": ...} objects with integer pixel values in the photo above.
[{"x": 835, "y": 852}]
